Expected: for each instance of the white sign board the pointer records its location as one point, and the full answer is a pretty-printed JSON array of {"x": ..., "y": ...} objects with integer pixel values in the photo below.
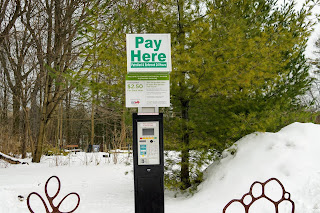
[
  {"x": 147, "y": 90},
  {"x": 148, "y": 53}
]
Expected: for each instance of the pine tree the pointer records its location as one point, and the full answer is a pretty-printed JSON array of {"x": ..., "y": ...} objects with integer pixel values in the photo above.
[
  {"x": 238, "y": 67},
  {"x": 234, "y": 66}
]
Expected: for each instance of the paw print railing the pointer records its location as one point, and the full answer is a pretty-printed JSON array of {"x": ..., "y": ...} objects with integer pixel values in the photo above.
[
  {"x": 55, "y": 209},
  {"x": 251, "y": 197}
]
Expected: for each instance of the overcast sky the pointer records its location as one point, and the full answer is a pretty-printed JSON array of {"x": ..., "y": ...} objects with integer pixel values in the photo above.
[{"x": 315, "y": 34}]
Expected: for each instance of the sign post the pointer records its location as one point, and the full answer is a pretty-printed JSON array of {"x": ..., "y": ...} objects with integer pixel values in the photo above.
[{"x": 148, "y": 88}]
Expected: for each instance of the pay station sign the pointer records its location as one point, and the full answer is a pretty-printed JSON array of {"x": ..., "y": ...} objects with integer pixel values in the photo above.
[
  {"x": 147, "y": 90},
  {"x": 148, "y": 53}
]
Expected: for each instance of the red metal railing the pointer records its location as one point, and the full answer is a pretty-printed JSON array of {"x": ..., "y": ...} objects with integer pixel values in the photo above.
[
  {"x": 55, "y": 209},
  {"x": 250, "y": 198}
]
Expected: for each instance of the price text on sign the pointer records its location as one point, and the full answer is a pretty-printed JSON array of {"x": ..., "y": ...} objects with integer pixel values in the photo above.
[
  {"x": 147, "y": 90},
  {"x": 148, "y": 53},
  {"x": 135, "y": 86}
]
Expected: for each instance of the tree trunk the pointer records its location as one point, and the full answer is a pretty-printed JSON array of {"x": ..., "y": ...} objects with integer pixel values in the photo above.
[
  {"x": 123, "y": 131},
  {"x": 61, "y": 144},
  {"x": 39, "y": 144},
  {"x": 29, "y": 132},
  {"x": 24, "y": 141},
  {"x": 184, "y": 102},
  {"x": 24, "y": 128},
  {"x": 68, "y": 123},
  {"x": 92, "y": 126},
  {"x": 57, "y": 131},
  {"x": 16, "y": 113},
  {"x": 34, "y": 115},
  {"x": 4, "y": 113},
  {"x": 185, "y": 155},
  {"x": 43, "y": 123}
]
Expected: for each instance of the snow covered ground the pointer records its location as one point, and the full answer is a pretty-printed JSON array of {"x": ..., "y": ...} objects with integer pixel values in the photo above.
[{"x": 292, "y": 155}]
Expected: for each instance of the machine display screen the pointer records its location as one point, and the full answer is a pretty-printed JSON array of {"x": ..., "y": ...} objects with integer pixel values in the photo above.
[{"x": 148, "y": 131}]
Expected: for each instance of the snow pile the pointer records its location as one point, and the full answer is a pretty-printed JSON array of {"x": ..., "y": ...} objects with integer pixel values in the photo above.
[{"x": 291, "y": 155}]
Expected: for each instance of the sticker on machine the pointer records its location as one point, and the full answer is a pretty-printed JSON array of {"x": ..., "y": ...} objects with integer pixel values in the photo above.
[{"x": 148, "y": 124}]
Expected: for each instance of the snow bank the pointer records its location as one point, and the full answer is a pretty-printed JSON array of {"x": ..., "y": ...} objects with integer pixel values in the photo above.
[{"x": 291, "y": 155}]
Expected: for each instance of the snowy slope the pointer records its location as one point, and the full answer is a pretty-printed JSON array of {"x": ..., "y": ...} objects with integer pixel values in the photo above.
[{"x": 291, "y": 155}]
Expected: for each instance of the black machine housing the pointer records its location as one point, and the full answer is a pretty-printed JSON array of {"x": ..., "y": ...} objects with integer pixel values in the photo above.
[{"x": 148, "y": 163}]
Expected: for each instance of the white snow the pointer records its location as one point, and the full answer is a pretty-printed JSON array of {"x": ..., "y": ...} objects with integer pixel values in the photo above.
[{"x": 291, "y": 155}]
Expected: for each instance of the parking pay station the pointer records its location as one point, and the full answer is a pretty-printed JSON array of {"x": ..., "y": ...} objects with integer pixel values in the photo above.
[
  {"x": 148, "y": 163},
  {"x": 148, "y": 88}
]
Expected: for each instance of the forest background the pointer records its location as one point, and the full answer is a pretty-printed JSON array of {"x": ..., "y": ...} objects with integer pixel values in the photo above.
[{"x": 239, "y": 66}]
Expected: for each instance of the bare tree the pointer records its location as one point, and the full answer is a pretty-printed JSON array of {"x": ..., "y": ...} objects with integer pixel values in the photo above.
[
  {"x": 16, "y": 60},
  {"x": 53, "y": 25},
  {"x": 10, "y": 10},
  {"x": 39, "y": 58}
]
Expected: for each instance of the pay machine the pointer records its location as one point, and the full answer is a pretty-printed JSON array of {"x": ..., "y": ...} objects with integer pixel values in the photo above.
[{"x": 148, "y": 163}]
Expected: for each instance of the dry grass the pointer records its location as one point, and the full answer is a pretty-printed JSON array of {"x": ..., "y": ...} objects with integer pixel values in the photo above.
[{"x": 9, "y": 144}]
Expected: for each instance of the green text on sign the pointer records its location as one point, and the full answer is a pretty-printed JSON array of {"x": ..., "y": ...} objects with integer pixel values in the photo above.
[
  {"x": 148, "y": 60},
  {"x": 148, "y": 64},
  {"x": 147, "y": 76}
]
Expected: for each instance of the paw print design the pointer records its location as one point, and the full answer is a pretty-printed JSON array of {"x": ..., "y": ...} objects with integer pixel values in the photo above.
[
  {"x": 260, "y": 191},
  {"x": 55, "y": 209}
]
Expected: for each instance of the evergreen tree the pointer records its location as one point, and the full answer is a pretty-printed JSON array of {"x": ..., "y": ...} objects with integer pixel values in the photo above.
[{"x": 238, "y": 67}]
